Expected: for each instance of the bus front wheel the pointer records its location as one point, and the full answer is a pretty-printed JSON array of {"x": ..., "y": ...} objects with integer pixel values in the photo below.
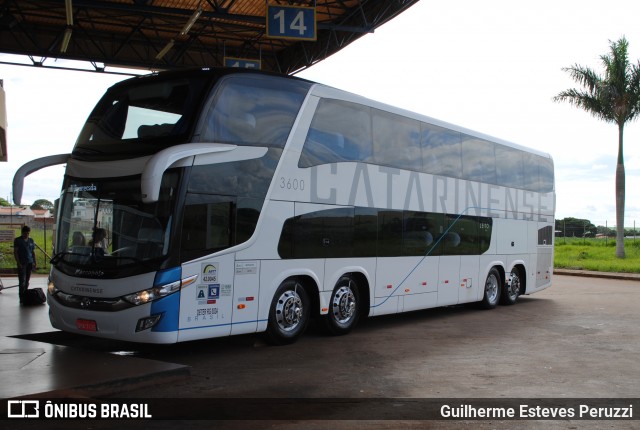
[
  {"x": 492, "y": 290},
  {"x": 288, "y": 314},
  {"x": 344, "y": 309}
]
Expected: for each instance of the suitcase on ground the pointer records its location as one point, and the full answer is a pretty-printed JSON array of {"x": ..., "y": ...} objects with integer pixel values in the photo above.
[{"x": 34, "y": 296}]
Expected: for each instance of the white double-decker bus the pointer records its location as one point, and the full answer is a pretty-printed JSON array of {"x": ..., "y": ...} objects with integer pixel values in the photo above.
[{"x": 207, "y": 203}]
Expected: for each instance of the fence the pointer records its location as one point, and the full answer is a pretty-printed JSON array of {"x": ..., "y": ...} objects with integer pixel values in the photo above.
[
  {"x": 42, "y": 235},
  {"x": 589, "y": 230}
]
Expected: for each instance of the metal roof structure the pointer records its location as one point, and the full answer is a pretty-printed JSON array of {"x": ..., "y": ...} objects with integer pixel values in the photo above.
[{"x": 173, "y": 34}]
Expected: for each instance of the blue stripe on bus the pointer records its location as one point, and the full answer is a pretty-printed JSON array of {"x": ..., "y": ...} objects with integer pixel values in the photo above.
[{"x": 169, "y": 307}]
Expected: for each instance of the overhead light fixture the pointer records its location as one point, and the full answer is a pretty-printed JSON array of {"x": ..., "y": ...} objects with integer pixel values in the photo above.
[
  {"x": 65, "y": 40},
  {"x": 192, "y": 20},
  {"x": 166, "y": 49},
  {"x": 185, "y": 30},
  {"x": 67, "y": 32}
]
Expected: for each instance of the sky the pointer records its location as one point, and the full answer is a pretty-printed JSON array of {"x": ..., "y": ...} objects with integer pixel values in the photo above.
[{"x": 491, "y": 66}]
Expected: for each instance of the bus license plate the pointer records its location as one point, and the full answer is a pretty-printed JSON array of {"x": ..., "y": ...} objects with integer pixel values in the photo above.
[{"x": 86, "y": 325}]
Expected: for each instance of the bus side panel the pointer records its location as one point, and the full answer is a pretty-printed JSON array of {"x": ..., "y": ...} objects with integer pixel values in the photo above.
[
  {"x": 449, "y": 285},
  {"x": 245, "y": 297},
  {"x": 206, "y": 305},
  {"x": 469, "y": 282},
  {"x": 512, "y": 236},
  {"x": 419, "y": 291},
  {"x": 397, "y": 276},
  {"x": 335, "y": 268},
  {"x": 401, "y": 276},
  {"x": 414, "y": 302},
  {"x": 544, "y": 267}
]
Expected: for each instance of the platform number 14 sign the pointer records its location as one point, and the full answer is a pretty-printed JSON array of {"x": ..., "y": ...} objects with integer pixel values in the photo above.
[{"x": 291, "y": 22}]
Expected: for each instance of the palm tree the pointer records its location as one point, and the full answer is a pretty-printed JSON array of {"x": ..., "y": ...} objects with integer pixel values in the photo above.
[{"x": 613, "y": 97}]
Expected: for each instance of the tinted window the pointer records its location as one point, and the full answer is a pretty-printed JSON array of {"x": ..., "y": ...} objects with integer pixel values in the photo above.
[
  {"x": 396, "y": 141},
  {"x": 343, "y": 131},
  {"x": 143, "y": 115},
  {"x": 254, "y": 110},
  {"x": 441, "y": 151},
  {"x": 478, "y": 160},
  {"x": 340, "y": 131},
  {"x": 247, "y": 214},
  {"x": 365, "y": 232},
  {"x": 359, "y": 232},
  {"x": 421, "y": 231},
  {"x": 531, "y": 176},
  {"x": 206, "y": 225},
  {"x": 509, "y": 166},
  {"x": 321, "y": 234},
  {"x": 389, "y": 233},
  {"x": 546, "y": 175},
  {"x": 248, "y": 178}
]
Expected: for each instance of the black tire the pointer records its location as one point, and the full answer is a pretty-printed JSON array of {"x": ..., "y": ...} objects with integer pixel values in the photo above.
[
  {"x": 344, "y": 307},
  {"x": 512, "y": 288},
  {"x": 288, "y": 314},
  {"x": 492, "y": 289}
]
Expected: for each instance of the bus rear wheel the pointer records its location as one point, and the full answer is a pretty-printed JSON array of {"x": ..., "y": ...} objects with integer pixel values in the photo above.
[
  {"x": 288, "y": 314},
  {"x": 512, "y": 289},
  {"x": 492, "y": 290},
  {"x": 344, "y": 309}
]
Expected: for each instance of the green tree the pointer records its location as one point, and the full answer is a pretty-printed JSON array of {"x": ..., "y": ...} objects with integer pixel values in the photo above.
[
  {"x": 612, "y": 97},
  {"x": 3, "y": 202},
  {"x": 576, "y": 227},
  {"x": 42, "y": 204}
]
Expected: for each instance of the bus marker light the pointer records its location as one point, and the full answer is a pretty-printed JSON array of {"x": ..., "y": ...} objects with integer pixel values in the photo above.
[
  {"x": 424, "y": 283},
  {"x": 86, "y": 325},
  {"x": 242, "y": 306},
  {"x": 147, "y": 322},
  {"x": 389, "y": 286},
  {"x": 249, "y": 299}
]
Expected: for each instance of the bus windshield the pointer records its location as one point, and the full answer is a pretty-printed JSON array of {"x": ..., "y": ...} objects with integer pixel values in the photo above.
[
  {"x": 142, "y": 115},
  {"x": 103, "y": 226}
]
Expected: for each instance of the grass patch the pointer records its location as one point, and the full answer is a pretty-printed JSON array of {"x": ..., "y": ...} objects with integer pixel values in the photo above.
[
  {"x": 7, "y": 262},
  {"x": 597, "y": 255}
]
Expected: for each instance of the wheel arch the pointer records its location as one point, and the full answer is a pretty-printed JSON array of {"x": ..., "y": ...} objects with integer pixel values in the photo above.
[{"x": 364, "y": 291}]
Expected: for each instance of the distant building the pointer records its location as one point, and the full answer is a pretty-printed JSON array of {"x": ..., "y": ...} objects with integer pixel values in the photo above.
[{"x": 23, "y": 215}]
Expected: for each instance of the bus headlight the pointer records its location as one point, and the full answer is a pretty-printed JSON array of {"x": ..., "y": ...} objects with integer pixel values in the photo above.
[
  {"x": 155, "y": 293},
  {"x": 51, "y": 288}
]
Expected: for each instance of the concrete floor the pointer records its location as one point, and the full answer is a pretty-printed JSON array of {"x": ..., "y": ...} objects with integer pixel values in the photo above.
[{"x": 40, "y": 369}]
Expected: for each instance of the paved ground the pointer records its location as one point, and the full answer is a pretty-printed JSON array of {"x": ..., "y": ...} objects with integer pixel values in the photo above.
[{"x": 578, "y": 339}]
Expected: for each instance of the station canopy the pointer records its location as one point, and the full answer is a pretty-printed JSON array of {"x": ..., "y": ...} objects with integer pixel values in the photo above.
[{"x": 174, "y": 34}]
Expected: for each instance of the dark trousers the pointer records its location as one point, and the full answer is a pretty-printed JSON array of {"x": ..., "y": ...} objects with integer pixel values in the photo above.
[{"x": 24, "y": 275}]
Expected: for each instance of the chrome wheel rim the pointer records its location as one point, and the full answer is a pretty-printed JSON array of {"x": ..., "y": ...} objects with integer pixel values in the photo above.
[
  {"x": 343, "y": 305},
  {"x": 289, "y": 311},
  {"x": 491, "y": 288},
  {"x": 514, "y": 286}
]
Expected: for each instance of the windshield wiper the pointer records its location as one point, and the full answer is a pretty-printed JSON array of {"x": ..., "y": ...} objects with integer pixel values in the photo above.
[{"x": 60, "y": 255}]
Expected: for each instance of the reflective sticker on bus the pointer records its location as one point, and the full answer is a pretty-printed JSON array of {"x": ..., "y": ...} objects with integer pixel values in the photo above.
[{"x": 210, "y": 272}]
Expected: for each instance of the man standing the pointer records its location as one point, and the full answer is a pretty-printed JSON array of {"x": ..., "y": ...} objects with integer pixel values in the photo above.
[{"x": 24, "y": 251}]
